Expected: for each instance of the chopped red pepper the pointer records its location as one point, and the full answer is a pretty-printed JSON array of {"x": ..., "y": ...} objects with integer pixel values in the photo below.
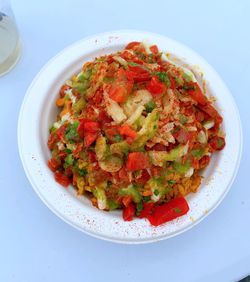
[
  {"x": 197, "y": 94},
  {"x": 147, "y": 210},
  {"x": 155, "y": 87},
  {"x": 91, "y": 126},
  {"x": 132, "y": 44},
  {"x": 154, "y": 49},
  {"x": 62, "y": 179},
  {"x": 63, "y": 89},
  {"x": 54, "y": 164},
  {"x": 168, "y": 211},
  {"x": 217, "y": 143},
  {"x": 128, "y": 131},
  {"x": 129, "y": 212},
  {"x": 137, "y": 160}
]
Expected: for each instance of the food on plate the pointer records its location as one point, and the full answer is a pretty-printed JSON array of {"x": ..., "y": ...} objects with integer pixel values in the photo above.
[{"x": 133, "y": 133}]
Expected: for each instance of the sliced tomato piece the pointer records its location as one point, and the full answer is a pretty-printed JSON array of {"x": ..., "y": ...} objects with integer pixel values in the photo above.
[
  {"x": 155, "y": 87},
  {"x": 128, "y": 212},
  {"x": 137, "y": 160},
  {"x": 62, "y": 179}
]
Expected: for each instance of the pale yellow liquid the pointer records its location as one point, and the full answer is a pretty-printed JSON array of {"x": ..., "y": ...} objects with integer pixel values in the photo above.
[{"x": 10, "y": 47}]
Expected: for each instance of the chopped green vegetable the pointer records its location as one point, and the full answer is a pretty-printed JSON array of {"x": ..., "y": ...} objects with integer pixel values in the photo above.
[
  {"x": 111, "y": 164},
  {"x": 171, "y": 182},
  {"x": 79, "y": 106},
  {"x": 133, "y": 64},
  {"x": 118, "y": 137},
  {"x": 182, "y": 168},
  {"x": 112, "y": 205},
  {"x": 156, "y": 192},
  {"x": 132, "y": 191},
  {"x": 198, "y": 153},
  {"x": 183, "y": 119},
  {"x": 82, "y": 172},
  {"x": 147, "y": 131},
  {"x": 139, "y": 208},
  {"x": 150, "y": 106},
  {"x": 68, "y": 151},
  {"x": 119, "y": 148},
  {"x": 69, "y": 160},
  {"x": 146, "y": 198},
  {"x": 163, "y": 77},
  {"x": 71, "y": 133},
  {"x": 100, "y": 195},
  {"x": 187, "y": 77},
  {"x": 159, "y": 158},
  {"x": 101, "y": 148}
]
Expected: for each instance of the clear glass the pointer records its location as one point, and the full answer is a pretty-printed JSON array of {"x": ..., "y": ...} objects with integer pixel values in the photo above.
[{"x": 10, "y": 47}]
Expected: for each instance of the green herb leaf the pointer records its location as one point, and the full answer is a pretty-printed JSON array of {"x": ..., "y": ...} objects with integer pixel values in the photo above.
[
  {"x": 71, "y": 133},
  {"x": 197, "y": 153},
  {"x": 68, "y": 151},
  {"x": 150, "y": 106},
  {"x": 82, "y": 172},
  {"x": 133, "y": 64},
  {"x": 146, "y": 198},
  {"x": 177, "y": 210},
  {"x": 139, "y": 208},
  {"x": 171, "y": 182},
  {"x": 69, "y": 160},
  {"x": 163, "y": 77},
  {"x": 118, "y": 138},
  {"x": 156, "y": 192}
]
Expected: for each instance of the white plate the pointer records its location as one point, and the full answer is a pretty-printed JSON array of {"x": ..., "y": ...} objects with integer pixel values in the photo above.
[{"x": 38, "y": 111}]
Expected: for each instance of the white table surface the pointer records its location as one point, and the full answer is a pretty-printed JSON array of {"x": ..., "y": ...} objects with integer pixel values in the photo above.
[{"x": 35, "y": 245}]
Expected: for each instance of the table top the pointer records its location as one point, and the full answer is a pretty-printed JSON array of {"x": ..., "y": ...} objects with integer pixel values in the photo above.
[{"x": 35, "y": 245}]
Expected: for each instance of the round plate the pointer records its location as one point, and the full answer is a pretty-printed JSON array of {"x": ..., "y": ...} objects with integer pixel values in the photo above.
[{"x": 38, "y": 111}]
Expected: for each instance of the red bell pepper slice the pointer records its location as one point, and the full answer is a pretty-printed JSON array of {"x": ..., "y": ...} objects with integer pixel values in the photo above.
[
  {"x": 147, "y": 210},
  {"x": 168, "y": 211},
  {"x": 128, "y": 212},
  {"x": 136, "y": 161}
]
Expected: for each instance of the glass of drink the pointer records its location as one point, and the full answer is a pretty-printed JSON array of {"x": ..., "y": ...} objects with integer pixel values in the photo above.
[{"x": 10, "y": 47}]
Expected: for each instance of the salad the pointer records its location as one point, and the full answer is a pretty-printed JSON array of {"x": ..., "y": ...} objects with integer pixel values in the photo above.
[{"x": 133, "y": 132}]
